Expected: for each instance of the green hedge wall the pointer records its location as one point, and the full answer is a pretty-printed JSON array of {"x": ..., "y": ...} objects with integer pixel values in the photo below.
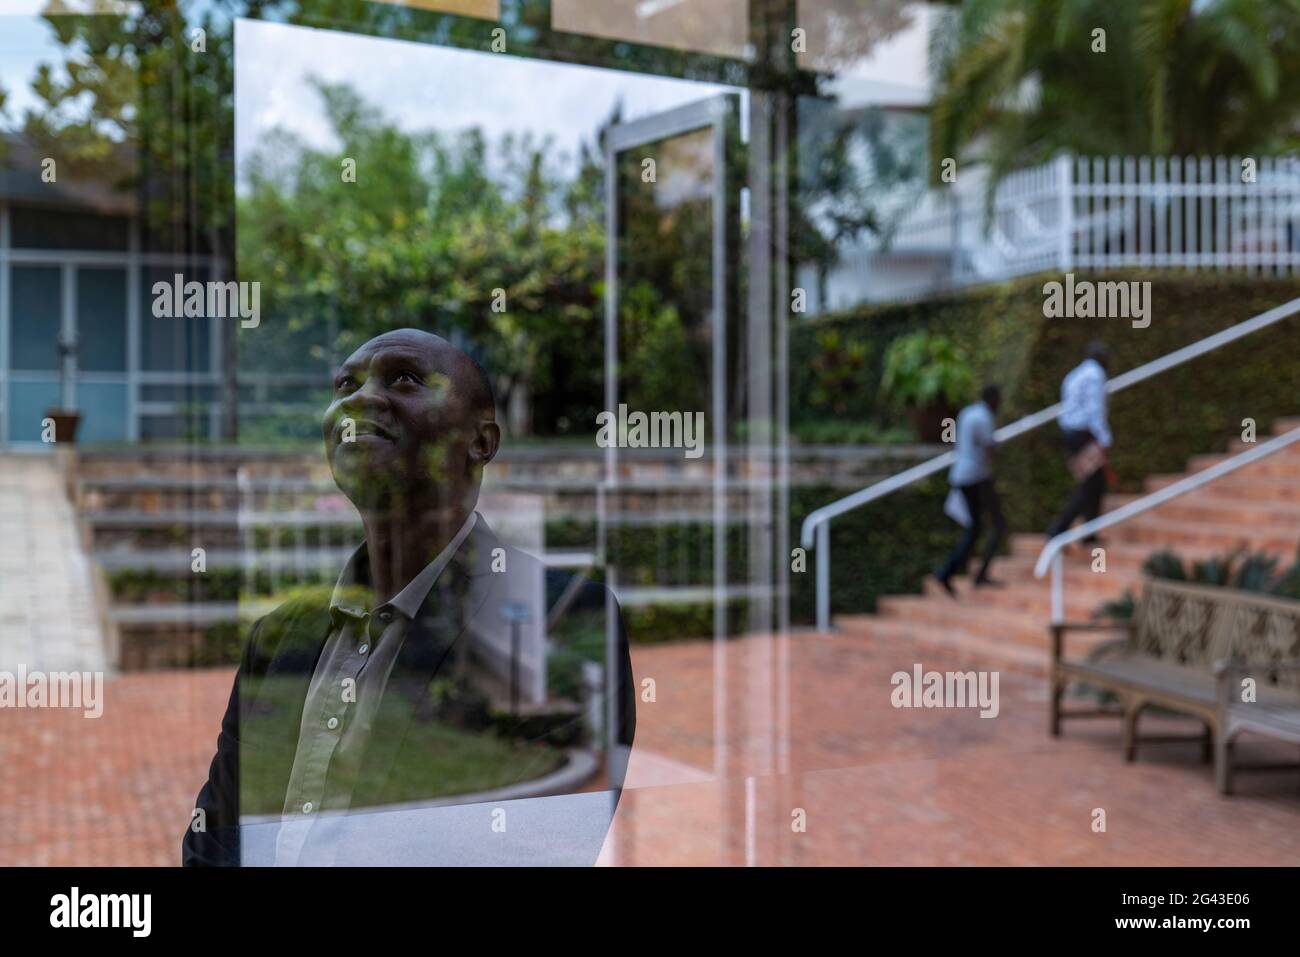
[{"x": 1158, "y": 425}]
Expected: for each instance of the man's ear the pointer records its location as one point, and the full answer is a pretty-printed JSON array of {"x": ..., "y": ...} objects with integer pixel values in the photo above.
[{"x": 487, "y": 440}]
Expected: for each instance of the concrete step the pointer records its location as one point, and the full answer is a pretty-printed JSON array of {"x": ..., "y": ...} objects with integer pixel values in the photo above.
[
  {"x": 1285, "y": 462},
  {"x": 1156, "y": 533},
  {"x": 1257, "y": 507},
  {"x": 1240, "y": 485},
  {"x": 1217, "y": 508},
  {"x": 969, "y": 616},
  {"x": 1035, "y": 596},
  {"x": 179, "y": 561}
]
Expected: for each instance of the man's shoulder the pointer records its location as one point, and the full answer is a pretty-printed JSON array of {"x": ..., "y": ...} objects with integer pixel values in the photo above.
[{"x": 298, "y": 624}]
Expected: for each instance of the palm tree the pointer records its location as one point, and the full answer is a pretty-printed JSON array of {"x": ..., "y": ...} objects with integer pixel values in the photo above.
[{"x": 1019, "y": 80}]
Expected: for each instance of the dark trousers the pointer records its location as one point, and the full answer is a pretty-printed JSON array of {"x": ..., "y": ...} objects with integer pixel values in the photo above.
[
  {"x": 981, "y": 499},
  {"x": 1086, "y": 499}
]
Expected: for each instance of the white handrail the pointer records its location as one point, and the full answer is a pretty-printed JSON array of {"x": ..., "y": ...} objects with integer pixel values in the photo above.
[
  {"x": 1051, "y": 553},
  {"x": 812, "y": 525}
]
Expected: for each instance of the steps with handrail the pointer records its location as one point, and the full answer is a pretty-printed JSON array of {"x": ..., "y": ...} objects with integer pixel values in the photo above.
[{"x": 815, "y": 532}]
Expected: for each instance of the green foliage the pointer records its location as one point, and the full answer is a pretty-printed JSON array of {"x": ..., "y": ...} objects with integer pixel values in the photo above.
[
  {"x": 579, "y": 638},
  {"x": 837, "y": 365},
  {"x": 884, "y": 548},
  {"x": 840, "y": 432},
  {"x": 425, "y": 237},
  {"x": 1176, "y": 77},
  {"x": 1245, "y": 571},
  {"x": 924, "y": 369}
]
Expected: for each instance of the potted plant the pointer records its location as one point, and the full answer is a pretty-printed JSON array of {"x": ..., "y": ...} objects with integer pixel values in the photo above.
[
  {"x": 927, "y": 375},
  {"x": 65, "y": 417}
]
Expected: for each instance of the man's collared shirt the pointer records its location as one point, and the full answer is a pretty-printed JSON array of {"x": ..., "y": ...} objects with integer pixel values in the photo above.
[
  {"x": 973, "y": 458},
  {"x": 1083, "y": 401},
  {"x": 346, "y": 687}
]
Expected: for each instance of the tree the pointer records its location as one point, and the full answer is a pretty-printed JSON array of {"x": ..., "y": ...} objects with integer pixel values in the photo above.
[
  {"x": 145, "y": 103},
  {"x": 510, "y": 264},
  {"x": 1019, "y": 80}
]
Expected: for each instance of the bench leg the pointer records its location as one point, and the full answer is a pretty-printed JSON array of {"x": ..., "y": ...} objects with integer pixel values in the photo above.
[
  {"x": 1207, "y": 744},
  {"x": 1132, "y": 709},
  {"x": 1223, "y": 763},
  {"x": 1058, "y": 692}
]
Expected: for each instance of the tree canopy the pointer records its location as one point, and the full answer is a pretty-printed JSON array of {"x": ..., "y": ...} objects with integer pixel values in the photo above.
[{"x": 1018, "y": 80}]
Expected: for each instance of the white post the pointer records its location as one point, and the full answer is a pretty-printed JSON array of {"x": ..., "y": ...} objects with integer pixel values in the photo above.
[
  {"x": 824, "y": 576},
  {"x": 1058, "y": 588},
  {"x": 1065, "y": 195}
]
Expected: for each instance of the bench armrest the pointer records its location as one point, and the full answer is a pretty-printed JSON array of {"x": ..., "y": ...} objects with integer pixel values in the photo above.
[
  {"x": 1094, "y": 625},
  {"x": 1060, "y": 628}
]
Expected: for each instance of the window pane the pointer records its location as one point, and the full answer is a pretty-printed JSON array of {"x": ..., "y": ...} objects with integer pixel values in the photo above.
[
  {"x": 172, "y": 344},
  {"x": 103, "y": 409},
  {"x": 101, "y": 320},
  {"x": 36, "y": 303},
  {"x": 57, "y": 229},
  {"x": 28, "y": 403}
]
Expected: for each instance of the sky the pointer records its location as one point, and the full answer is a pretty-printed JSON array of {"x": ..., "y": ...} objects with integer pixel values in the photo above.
[
  {"x": 25, "y": 42},
  {"x": 423, "y": 87}
]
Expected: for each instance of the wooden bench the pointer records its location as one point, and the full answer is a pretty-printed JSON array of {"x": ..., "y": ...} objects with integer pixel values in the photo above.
[{"x": 1190, "y": 649}]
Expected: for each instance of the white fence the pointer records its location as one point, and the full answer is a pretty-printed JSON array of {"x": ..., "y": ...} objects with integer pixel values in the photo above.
[{"x": 1091, "y": 213}]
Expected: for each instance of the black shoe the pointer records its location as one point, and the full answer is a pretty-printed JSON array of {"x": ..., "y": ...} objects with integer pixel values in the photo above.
[
  {"x": 947, "y": 585},
  {"x": 986, "y": 582}
]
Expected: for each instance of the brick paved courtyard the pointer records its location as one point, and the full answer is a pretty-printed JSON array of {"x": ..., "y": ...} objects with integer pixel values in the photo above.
[{"x": 877, "y": 785}]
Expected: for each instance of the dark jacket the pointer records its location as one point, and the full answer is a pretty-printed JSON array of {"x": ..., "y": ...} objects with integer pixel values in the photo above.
[{"x": 442, "y": 683}]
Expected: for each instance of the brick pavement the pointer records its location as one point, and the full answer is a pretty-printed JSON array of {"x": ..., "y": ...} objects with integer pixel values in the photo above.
[{"x": 879, "y": 785}]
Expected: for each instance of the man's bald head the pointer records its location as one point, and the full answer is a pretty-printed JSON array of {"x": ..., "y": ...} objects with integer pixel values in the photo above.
[{"x": 469, "y": 376}]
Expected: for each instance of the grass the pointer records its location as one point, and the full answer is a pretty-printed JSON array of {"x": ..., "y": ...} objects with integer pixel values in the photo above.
[{"x": 451, "y": 760}]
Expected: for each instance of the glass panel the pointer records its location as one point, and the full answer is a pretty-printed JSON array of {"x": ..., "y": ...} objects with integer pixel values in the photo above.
[
  {"x": 178, "y": 393},
  {"x": 661, "y": 539},
  {"x": 36, "y": 302},
  {"x": 28, "y": 403},
  {"x": 103, "y": 409},
  {"x": 32, "y": 228},
  {"x": 184, "y": 426},
  {"x": 483, "y": 9},
  {"x": 172, "y": 344},
  {"x": 707, "y": 26},
  {"x": 101, "y": 320},
  {"x": 666, "y": 275}
]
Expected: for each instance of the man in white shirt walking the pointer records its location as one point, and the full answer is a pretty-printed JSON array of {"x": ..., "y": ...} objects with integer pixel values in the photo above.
[
  {"x": 972, "y": 475},
  {"x": 1087, "y": 437}
]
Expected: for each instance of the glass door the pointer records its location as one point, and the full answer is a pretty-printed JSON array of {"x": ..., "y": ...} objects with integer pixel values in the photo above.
[
  {"x": 671, "y": 271},
  {"x": 37, "y": 299},
  {"x": 85, "y": 305}
]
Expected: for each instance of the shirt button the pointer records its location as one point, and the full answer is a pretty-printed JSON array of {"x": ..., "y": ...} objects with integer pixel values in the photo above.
[
  {"x": 332, "y": 723},
  {"x": 306, "y": 808},
  {"x": 363, "y": 649},
  {"x": 385, "y": 615}
]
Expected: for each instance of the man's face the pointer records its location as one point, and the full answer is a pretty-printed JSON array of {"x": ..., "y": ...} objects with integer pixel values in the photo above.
[{"x": 402, "y": 423}]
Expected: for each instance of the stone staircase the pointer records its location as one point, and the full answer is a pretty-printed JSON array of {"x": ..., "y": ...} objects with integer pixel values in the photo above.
[{"x": 1257, "y": 507}]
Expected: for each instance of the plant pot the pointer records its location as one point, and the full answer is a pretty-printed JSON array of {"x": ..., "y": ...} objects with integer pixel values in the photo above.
[
  {"x": 927, "y": 420},
  {"x": 65, "y": 425}
]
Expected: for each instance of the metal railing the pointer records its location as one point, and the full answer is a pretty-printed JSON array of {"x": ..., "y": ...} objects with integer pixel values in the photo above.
[
  {"x": 1053, "y": 554},
  {"x": 815, "y": 531}
]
